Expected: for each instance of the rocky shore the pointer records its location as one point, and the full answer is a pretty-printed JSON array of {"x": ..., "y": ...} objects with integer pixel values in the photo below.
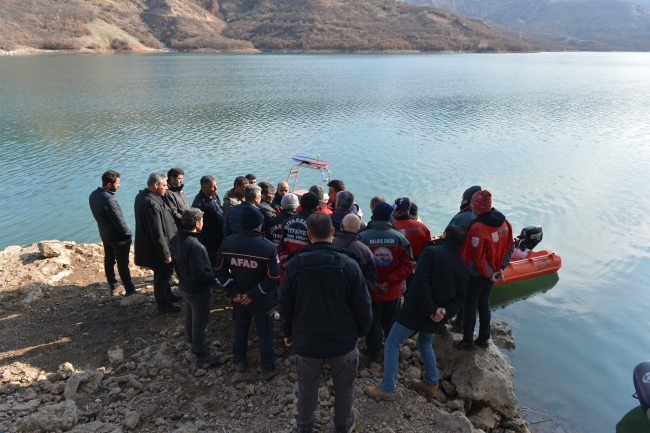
[{"x": 74, "y": 358}]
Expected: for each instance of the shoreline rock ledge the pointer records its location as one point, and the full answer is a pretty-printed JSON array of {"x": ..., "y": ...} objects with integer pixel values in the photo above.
[{"x": 122, "y": 367}]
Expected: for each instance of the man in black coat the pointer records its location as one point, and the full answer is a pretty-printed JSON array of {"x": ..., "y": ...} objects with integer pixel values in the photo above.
[
  {"x": 175, "y": 198},
  {"x": 325, "y": 309},
  {"x": 248, "y": 267},
  {"x": 196, "y": 281},
  {"x": 436, "y": 294},
  {"x": 115, "y": 234},
  {"x": 208, "y": 202},
  {"x": 154, "y": 228}
]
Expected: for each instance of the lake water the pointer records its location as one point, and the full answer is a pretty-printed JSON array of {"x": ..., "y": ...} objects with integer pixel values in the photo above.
[{"x": 562, "y": 140}]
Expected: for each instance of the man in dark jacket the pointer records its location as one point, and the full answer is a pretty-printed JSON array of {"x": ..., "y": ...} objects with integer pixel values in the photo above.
[
  {"x": 436, "y": 294},
  {"x": 247, "y": 266},
  {"x": 344, "y": 206},
  {"x": 325, "y": 310},
  {"x": 208, "y": 202},
  {"x": 175, "y": 198},
  {"x": 463, "y": 219},
  {"x": 486, "y": 251},
  {"x": 115, "y": 234},
  {"x": 283, "y": 188},
  {"x": 195, "y": 282},
  {"x": 234, "y": 196},
  {"x": 266, "y": 198},
  {"x": 252, "y": 197},
  {"x": 289, "y": 203},
  {"x": 154, "y": 228},
  {"x": 348, "y": 239}
]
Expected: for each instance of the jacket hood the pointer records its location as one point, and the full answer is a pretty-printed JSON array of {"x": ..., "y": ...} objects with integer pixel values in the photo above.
[
  {"x": 494, "y": 218},
  {"x": 465, "y": 207},
  {"x": 183, "y": 233},
  {"x": 348, "y": 237},
  {"x": 175, "y": 188},
  {"x": 381, "y": 225}
]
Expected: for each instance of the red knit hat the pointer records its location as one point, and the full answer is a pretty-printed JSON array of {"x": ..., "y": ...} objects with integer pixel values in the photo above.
[{"x": 482, "y": 200}]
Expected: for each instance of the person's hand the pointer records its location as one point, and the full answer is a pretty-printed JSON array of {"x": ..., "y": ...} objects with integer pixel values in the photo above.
[
  {"x": 169, "y": 260},
  {"x": 358, "y": 339},
  {"x": 237, "y": 299},
  {"x": 376, "y": 289},
  {"x": 497, "y": 276},
  {"x": 440, "y": 314},
  {"x": 245, "y": 300},
  {"x": 288, "y": 341}
]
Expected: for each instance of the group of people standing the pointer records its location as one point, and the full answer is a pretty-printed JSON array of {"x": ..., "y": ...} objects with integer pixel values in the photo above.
[{"x": 332, "y": 278}]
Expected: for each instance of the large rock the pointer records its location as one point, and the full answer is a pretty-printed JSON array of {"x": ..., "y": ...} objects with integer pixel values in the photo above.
[
  {"x": 132, "y": 419},
  {"x": 502, "y": 336},
  {"x": 62, "y": 416},
  {"x": 32, "y": 292},
  {"x": 484, "y": 375},
  {"x": 88, "y": 381},
  {"x": 455, "y": 422},
  {"x": 115, "y": 356},
  {"x": 49, "y": 249},
  {"x": 484, "y": 419}
]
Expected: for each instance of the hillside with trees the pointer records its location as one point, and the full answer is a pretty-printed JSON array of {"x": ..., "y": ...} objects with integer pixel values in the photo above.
[
  {"x": 591, "y": 25},
  {"x": 249, "y": 25}
]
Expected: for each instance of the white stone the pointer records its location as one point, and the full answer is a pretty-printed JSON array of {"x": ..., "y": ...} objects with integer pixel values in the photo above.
[
  {"x": 62, "y": 416},
  {"x": 115, "y": 355}
]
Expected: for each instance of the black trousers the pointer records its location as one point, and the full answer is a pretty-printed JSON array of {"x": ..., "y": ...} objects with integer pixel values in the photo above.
[
  {"x": 118, "y": 252},
  {"x": 383, "y": 317},
  {"x": 197, "y": 314},
  {"x": 264, "y": 322},
  {"x": 161, "y": 287},
  {"x": 478, "y": 296}
]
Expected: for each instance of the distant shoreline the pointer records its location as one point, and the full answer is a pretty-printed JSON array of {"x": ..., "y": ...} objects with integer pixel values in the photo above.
[{"x": 37, "y": 51}]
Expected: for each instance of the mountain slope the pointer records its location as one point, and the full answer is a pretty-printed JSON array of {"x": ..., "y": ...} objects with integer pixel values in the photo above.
[
  {"x": 246, "y": 25},
  {"x": 584, "y": 24}
]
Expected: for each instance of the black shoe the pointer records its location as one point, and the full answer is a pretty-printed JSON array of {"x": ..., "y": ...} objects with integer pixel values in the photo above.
[
  {"x": 464, "y": 345},
  {"x": 169, "y": 308},
  {"x": 482, "y": 344},
  {"x": 353, "y": 424},
  {"x": 174, "y": 298},
  {"x": 208, "y": 359},
  {"x": 240, "y": 367},
  {"x": 133, "y": 292},
  {"x": 268, "y": 375},
  {"x": 207, "y": 343},
  {"x": 443, "y": 330}
]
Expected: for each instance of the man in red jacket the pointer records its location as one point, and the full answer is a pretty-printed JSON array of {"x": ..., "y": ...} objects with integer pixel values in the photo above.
[
  {"x": 393, "y": 260},
  {"x": 486, "y": 251}
]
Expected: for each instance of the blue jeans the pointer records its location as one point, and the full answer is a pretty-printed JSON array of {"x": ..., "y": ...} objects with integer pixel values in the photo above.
[{"x": 396, "y": 337}]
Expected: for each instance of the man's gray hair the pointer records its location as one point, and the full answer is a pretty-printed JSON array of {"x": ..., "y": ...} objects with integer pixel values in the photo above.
[
  {"x": 376, "y": 200},
  {"x": 207, "y": 180},
  {"x": 155, "y": 178},
  {"x": 318, "y": 190},
  {"x": 344, "y": 200},
  {"x": 251, "y": 192},
  {"x": 190, "y": 217}
]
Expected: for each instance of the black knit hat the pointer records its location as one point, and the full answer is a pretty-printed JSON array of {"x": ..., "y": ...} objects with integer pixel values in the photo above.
[
  {"x": 469, "y": 192},
  {"x": 382, "y": 212},
  {"x": 250, "y": 218},
  {"x": 309, "y": 201}
]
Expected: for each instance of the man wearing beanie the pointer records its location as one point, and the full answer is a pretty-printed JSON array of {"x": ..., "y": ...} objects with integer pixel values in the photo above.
[
  {"x": 486, "y": 251},
  {"x": 289, "y": 203},
  {"x": 294, "y": 229},
  {"x": 393, "y": 260},
  {"x": 247, "y": 266},
  {"x": 463, "y": 219}
]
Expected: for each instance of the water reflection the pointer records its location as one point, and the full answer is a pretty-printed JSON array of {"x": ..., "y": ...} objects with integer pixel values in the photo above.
[{"x": 506, "y": 294}]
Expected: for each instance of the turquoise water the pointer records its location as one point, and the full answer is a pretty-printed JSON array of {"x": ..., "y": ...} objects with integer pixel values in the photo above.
[{"x": 562, "y": 140}]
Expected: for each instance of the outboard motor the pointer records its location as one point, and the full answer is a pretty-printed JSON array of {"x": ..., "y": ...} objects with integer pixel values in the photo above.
[
  {"x": 529, "y": 238},
  {"x": 642, "y": 385}
]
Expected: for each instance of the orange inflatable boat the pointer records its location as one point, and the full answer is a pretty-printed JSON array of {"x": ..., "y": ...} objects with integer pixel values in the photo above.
[{"x": 537, "y": 263}]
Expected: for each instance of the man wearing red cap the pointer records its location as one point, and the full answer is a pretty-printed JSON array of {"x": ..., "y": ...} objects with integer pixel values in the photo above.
[{"x": 486, "y": 251}]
